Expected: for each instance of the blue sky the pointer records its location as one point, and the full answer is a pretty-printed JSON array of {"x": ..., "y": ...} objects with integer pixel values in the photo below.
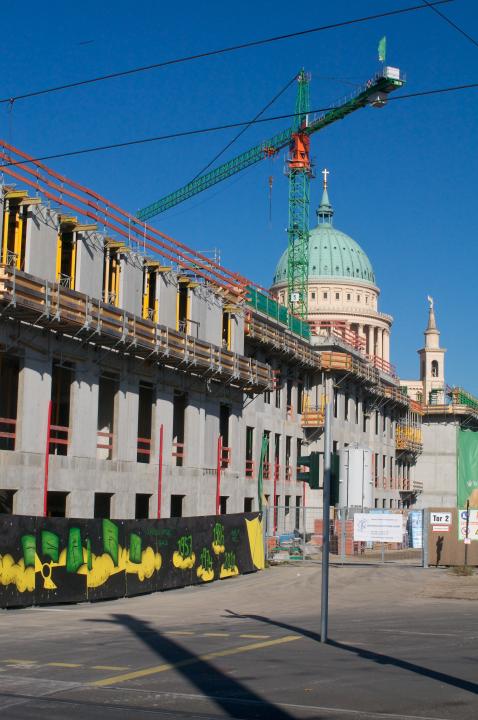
[{"x": 403, "y": 179}]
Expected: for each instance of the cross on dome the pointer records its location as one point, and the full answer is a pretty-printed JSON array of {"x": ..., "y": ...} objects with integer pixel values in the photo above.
[{"x": 325, "y": 172}]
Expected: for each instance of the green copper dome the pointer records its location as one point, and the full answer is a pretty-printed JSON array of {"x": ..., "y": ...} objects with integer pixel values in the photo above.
[{"x": 332, "y": 253}]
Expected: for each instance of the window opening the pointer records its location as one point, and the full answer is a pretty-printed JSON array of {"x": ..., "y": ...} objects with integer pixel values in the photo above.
[
  {"x": 14, "y": 234},
  {"x": 112, "y": 270},
  {"x": 145, "y": 422},
  {"x": 107, "y": 390},
  {"x": 176, "y": 507},
  {"x": 56, "y": 504},
  {"x": 66, "y": 253},
  {"x": 248, "y": 504},
  {"x": 179, "y": 413},
  {"x": 141, "y": 511},
  {"x": 9, "y": 372},
  {"x": 182, "y": 308},
  {"x": 62, "y": 376},
  {"x": 7, "y": 501},
  {"x": 223, "y": 504},
  {"x": 102, "y": 505}
]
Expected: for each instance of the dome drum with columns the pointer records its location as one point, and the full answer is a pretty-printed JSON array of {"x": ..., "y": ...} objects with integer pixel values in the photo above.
[{"x": 343, "y": 296}]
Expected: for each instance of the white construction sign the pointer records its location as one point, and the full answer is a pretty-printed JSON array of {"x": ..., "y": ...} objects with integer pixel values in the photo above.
[
  {"x": 472, "y": 525},
  {"x": 378, "y": 527},
  {"x": 440, "y": 521}
]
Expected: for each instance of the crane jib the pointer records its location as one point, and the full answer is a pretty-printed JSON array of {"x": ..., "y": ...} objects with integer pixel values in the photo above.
[{"x": 374, "y": 93}]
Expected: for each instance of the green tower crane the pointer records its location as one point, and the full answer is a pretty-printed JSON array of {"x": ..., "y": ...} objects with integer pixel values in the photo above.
[{"x": 299, "y": 170}]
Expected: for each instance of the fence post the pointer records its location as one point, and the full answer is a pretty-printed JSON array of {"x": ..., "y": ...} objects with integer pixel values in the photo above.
[
  {"x": 47, "y": 460},
  {"x": 304, "y": 523},
  {"x": 343, "y": 532},
  {"x": 160, "y": 470},
  {"x": 425, "y": 516},
  {"x": 274, "y": 495}
]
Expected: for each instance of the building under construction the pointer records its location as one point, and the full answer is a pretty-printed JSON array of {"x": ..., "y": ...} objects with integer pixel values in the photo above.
[{"x": 138, "y": 378}]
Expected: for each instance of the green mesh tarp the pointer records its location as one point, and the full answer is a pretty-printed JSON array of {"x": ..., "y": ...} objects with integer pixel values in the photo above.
[{"x": 467, "y": 471}]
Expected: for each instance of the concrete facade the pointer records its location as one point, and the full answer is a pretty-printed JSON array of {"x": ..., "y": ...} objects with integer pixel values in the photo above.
[{"x": 110, "y": 406}]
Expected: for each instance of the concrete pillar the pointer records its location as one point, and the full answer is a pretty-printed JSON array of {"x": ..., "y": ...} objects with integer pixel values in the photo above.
[
  {"x": 194, "y": 432},
  {"x": 34, "y": 394},
  {"x": 163, "y": 415},
  {"x": 379, "y": 343},
  {"x": 84, "y": 411},
  {"x": 237, "y": 442},
  {"x": 125, "y": 441},
  {"x": 211, "y": 434},
  {"x": 386, "y": 345}
]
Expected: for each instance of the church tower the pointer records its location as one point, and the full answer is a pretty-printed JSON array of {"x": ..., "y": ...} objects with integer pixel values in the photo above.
[{"x": 432, "y": 363}]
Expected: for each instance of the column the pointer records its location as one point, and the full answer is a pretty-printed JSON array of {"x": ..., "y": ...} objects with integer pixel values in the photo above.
[
  {"x": 34, "y": 394},
  {"x": 386, "y": 345},
  {"x": 125, "y": 443},
  {"x": 379, "y": 343},
  {"x": 362, "y": 336},
  {"x": 194, "y": 432},
  {"x": 84, "y": 410}
]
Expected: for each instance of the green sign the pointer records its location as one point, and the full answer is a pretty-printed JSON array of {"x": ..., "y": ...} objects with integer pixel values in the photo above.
[{"x": 467, "y": 471}]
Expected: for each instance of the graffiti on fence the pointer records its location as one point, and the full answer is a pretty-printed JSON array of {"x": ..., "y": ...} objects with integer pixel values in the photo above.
[{"x": 47, "y": 560}]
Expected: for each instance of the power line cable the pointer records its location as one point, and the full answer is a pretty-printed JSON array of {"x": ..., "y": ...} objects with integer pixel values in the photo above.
[
  {"x": 221, "y": 51},
  {"x": 450, "y": 22},
  {"x": 218, "y": 128},
  {"x": 243, "y": 130}
]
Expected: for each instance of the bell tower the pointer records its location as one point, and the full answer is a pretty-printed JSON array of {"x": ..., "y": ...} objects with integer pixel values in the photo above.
[{"x": 432, "y": 362}]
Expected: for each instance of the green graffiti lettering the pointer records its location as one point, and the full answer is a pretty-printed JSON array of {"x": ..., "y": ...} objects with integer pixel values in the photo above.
[
  {"x": 74, "y": 552},
  {"x": 206, "y": 559},
  {"x": 185, "y": 546},
  {"x": 135, "y": 548},
  {"x": 235, "y": 535},
  {"x": 29, "y": 548},
  {"x": 50, "y": 545},
  {"x": 218, "y": 534},
  {"x": 229, "y": 560},
  {"x": 110, "y": 540},
  {"x": 89, "y": 558}
]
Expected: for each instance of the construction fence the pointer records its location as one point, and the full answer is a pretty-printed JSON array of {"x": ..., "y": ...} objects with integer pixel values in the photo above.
[{"x": 296, "y": 534}]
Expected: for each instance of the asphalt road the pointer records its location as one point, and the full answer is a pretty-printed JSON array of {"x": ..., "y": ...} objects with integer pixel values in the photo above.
[{"x": 249, "y": 647}]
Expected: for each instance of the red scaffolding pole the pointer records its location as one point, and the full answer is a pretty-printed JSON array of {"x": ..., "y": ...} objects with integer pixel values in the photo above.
[
  {"x": 47, "y": 460},
  {"x": 218, "y": 475}
]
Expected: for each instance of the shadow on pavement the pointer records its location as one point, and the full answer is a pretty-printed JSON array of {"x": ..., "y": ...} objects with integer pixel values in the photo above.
[
  {"x": 368, "y": 654},
  {"x": 225, "y": 691}
]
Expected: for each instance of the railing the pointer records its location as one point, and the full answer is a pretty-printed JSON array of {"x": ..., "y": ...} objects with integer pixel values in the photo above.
[
  {"x": 105, "y": 445},
  {"x": 341, "y": 330},
  {"x": 38, "y": 301},
  {"x": 250, "y": 469},
  {"x": 59, "y": 441},
  {"x": 408, "y": 438},
  {"x": 9, "y": 436},
  {"x": 143, "y": 450},
  {"x": 178, "y": 452},
  {"x": 382, "y": 365},
  {"x": 312, "y": 418}
]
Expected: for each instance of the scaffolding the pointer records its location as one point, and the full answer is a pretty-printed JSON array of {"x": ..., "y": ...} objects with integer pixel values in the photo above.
[{"x": 50, "y": 305}]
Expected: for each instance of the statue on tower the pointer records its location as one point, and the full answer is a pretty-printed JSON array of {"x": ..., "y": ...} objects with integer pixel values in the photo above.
[{"x": 430, "y": 300}]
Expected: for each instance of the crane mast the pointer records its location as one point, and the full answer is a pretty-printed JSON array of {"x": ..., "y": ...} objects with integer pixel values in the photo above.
[{"x": 299, "y": 170}]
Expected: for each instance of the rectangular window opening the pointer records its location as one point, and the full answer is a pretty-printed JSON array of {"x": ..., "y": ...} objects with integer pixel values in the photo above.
[
  {"x": 9, "y": 373},
  {"x": 56, "y": 504},
  {"x": 150, "y": 292},
  {"x": 145, "y": 423},
  {"x": 179, "y": 413},
  {"x": 141, "y": 511},
  {"x": 102, "y": 507},
  {"x": 7, "y": 501},
  {"x": 176, "y": 507},
  {"x": 223, "y": 504},
  {"x": 107, "y": 390},
  {"x": 248, "y": 504},
  {"x": 61, "y": 380}
]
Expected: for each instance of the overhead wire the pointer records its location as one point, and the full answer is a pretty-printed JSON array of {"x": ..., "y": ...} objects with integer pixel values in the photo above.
[
  {"x": 450, "y": 22},
  {"x": 226, "y": 126},
  {"x": 246, "y": 127},
  {"x": 220, "y": 51}
]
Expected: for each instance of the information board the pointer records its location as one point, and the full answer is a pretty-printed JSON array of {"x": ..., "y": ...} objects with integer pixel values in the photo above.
[{"x": 386, "y": 527}]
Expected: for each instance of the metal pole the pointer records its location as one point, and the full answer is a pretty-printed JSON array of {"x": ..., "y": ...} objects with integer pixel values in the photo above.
[
  {"x": 218, "y": 476},
  {"x": 47, "y": 460},
  {"x": 343, "y": 532},
  {"x": 467, "y": 530},
  {"x": 324, "y": 601},
  {"x": 304, "y": 523},
  {"x": 160, "y": 470}
]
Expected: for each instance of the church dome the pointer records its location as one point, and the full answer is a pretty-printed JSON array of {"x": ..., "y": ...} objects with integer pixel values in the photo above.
[{"x": 332, "y": 253}]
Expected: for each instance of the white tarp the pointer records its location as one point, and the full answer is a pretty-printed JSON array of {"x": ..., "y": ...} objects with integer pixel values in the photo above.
[{"x": 383, "y": 527}]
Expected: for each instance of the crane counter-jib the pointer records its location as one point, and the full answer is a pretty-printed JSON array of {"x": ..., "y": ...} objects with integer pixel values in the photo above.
[{"x": 373, "y": 93}]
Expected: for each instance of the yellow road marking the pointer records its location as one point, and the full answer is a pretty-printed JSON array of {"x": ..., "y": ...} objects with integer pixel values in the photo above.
[
  {"x": 192, "y": 661},
  {"x": 255, "y": 637},
  {"x": 15, "y": 660},
  {"x": 179, "y": 632},
  {"x": 65, "y": 665},
  {"x": 110, "y": 667},
  {"x": 215, "y": 634}
]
